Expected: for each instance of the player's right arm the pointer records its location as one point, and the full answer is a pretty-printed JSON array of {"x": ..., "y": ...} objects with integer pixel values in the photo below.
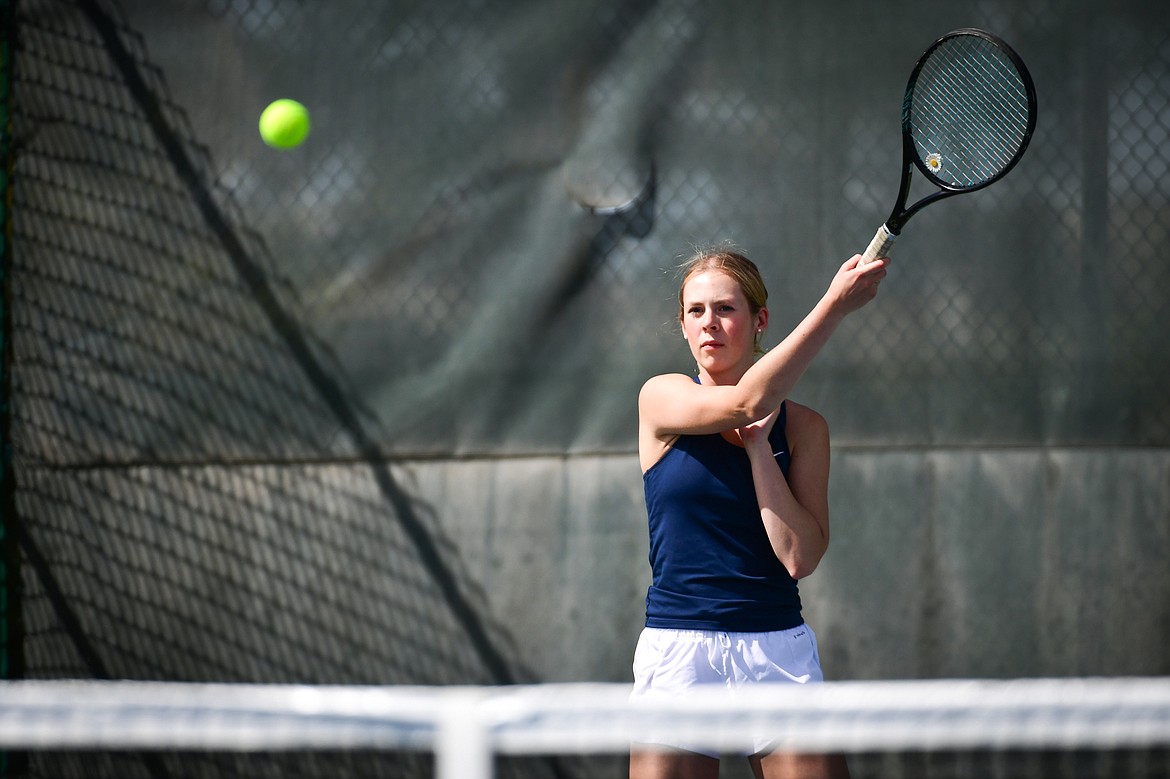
[{"x": 672, "y": 404}]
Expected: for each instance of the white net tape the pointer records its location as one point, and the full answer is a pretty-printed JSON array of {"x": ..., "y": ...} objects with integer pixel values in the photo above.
[{"x": 466, "y": 726}]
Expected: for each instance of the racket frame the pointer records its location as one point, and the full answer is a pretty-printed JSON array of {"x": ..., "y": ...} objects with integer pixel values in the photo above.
[{"x": 884, "y": 239}]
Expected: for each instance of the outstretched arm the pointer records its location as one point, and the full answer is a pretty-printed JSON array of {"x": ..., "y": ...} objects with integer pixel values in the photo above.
[{"x": 672, "y": 404}]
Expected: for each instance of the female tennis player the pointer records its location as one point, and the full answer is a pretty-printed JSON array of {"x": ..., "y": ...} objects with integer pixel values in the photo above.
[{"x": 736, "y": 482}]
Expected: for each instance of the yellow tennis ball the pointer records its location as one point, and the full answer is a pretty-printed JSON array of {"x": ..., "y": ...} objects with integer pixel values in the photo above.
[{"x": 284, "y": 124}]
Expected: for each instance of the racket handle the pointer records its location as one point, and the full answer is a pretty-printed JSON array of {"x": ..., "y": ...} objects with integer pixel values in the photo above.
[{"x": 880, "y": 246}]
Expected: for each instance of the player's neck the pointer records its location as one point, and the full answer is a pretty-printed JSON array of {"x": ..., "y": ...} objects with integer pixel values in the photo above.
[{"x": 724, "y": 378}]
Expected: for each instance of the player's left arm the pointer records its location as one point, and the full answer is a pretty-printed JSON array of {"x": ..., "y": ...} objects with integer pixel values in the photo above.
[{"x": 795, "y": 511}]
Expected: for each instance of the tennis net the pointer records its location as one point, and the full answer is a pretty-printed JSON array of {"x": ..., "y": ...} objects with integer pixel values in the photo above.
[{"x": 1035, "y": 727}]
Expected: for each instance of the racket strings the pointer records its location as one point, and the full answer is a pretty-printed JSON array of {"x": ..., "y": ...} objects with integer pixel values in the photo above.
[
  {"x": 1005, "y": 101},
  {"x": 974, "y": 140},
  {"x": 974, "y": 148},
  {"x": 969, "y": 112}
]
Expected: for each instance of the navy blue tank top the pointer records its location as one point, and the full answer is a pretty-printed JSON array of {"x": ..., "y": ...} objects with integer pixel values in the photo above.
[{"x": 712, "y": 565}]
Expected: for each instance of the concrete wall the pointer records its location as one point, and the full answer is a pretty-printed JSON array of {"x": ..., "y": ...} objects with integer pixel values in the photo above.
[{"x": 947, "y": 563}]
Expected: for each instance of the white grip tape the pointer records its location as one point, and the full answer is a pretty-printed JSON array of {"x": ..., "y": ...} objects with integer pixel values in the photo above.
[{"x": 880, "y": 246}]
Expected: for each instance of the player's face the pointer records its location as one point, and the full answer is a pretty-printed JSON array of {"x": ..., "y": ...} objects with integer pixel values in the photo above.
[{"x": 719, "y": 325}]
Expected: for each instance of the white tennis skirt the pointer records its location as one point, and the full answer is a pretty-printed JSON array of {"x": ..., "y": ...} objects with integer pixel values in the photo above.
[{"x": 668, "y": 662}]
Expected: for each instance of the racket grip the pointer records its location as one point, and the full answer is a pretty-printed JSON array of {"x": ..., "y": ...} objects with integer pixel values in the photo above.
[{"x": 880, "y": 246}]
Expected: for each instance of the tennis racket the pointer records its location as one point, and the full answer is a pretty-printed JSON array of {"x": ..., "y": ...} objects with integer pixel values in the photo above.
[{"x": 967, "y": 116}]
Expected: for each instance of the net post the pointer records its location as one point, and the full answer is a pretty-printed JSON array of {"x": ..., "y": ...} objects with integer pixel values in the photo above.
[{"x": 462, "y": 747}]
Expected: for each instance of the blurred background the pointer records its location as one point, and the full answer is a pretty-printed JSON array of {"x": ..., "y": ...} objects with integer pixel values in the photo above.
[{"x": 363, "y": 411}]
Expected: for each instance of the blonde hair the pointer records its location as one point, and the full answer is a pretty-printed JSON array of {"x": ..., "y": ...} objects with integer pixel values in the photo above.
[{"x": 727, "y": 260}]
